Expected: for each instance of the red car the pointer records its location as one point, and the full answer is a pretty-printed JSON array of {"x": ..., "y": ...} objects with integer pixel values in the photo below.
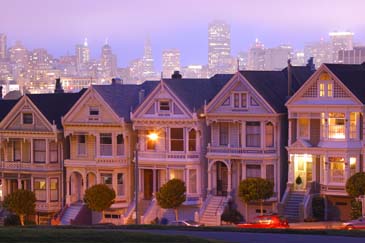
[{"x": 267, "y": 222}]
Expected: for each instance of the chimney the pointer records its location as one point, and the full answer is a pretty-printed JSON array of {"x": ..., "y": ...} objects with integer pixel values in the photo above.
[
  {"x": 310, "y": 64},
  {"x": 117, "y": 81},
  {"x": 141, "y": 96},
  {"x": 176, "y": 75},
  {"x": 58, "y": 86},
  {"x": 290, "y": 78},
  {"x": 1, "y": 92}
]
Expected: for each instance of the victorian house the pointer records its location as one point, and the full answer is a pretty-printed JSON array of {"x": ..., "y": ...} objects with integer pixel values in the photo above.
[
  {"x": 325, "y": 142},
  {"x": 32, "y": 148},
  {"x": 248, "y": 127},
  {"x": 172, "y": 139},
  {"x": 99, "y": 132}
]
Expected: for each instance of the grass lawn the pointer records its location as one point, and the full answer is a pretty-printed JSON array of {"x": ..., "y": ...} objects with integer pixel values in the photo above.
[{"x": 54, "y": 235}]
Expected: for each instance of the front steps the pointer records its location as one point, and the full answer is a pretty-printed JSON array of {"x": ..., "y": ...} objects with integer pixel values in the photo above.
[
  {"x": 291, "y": 207},
  {"x": 70, "y": 214},
  {"x": 209, "y": 217}
]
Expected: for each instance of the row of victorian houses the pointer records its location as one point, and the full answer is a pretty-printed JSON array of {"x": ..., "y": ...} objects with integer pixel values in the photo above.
[{"x": 210, "y": 133}]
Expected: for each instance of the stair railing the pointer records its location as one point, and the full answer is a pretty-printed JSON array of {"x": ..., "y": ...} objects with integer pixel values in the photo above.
[
  {"x": 147, "y": 216},
  {"x": 284, "y": 200},
  {"x": 204, "y": 206},
  {"x": 130, "y": 210}
]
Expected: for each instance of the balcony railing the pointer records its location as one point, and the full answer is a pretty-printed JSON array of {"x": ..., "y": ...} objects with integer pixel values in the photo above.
[
  {"x": 169, "y": 155},
  {"x": 48, "y": 207},
  {"x": 232, "y": 150},
  {"x": 18, "y": 165},
  {"x": 100, "y": 161}
]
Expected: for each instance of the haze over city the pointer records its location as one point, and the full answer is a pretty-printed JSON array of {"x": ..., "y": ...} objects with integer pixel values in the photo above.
[{"x": 58, "y": 26}]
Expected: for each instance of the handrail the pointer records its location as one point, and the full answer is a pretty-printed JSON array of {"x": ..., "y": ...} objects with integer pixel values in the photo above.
[
  {"x": 58, "y": 217},
  {"x": 148, "y": 211},
  {"x": 130, "y": 209},
  {"x": 204, "y": 206}
]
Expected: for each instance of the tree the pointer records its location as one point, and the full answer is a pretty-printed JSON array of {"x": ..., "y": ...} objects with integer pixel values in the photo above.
[
  {"x": 20, "y": 202},
  {"x": 256, "y": 189},
  {"x": 172, "y": 195},
  {"x": 355, "y": 187},
  {"x": 99, "y": 197}
]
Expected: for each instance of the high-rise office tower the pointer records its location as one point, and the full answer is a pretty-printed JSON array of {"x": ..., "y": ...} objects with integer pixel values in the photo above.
[
  {"x": 2, "y": 46},
  {"x": 170, "y": 62},
  {"x": 219, "y": 47},
  {"x": 108, "y": 61},
  {"x": 40, "y": 59},
  {"x": 82, "y": 56},
  {"x": 354, "y": 56},
  {"x": 148, "y": 62},
  {"x": 277, "y": 58},
  {"x": 321, "y": 52},
  {"x": 341, "y": 41},
  {"x": 256, "y": 56},
  {"x": 19, "y": 58}
]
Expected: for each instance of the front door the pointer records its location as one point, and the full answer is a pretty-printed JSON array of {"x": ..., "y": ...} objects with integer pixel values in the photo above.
[
  {"x": 148, "y": 184},
  {"x": 222, "y": 179},
  {"x": 303, "y": 171}
]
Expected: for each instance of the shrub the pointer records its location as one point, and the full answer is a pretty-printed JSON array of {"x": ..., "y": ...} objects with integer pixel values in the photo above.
[
  {"x": 231, "y": 214},
  {"x": 20, "y": 202},
  {"x": 318, "y": 208},
  {"x": 12, "y": 220},
  {"x": 356, "y": 208}
]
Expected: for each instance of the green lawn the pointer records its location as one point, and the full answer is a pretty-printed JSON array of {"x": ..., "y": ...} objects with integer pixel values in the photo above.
[{"x": 54, "y": 235}]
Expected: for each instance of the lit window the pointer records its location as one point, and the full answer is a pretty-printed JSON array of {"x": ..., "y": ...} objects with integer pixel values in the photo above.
[
  {"x": 164, "y": 105},
  {"x": 321, "y": 89},
  {"x": 352, "y": 166},
  {"x": 27, "y": 118},
  {"x": 337, "y": 169},
  {"x": 329, "y": 90},
  {"x": 353, "y": 121},
  {"x": 303, "y": 127},
  {"x": 336, "y": 125},
  {"x": 54, "y": 189},
  {"x": 40, "y": 189},
  {"x": 177, "y": 174},
  {"x": 151, "y": 143}
]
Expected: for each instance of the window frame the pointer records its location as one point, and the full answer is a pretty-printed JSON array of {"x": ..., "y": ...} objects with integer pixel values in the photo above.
[
  {"x": 35, "y": 151},
  {"x": 84, "y": 144},
  {"x": 238, "y": 98},
  {"x": 103, "y": 137},
  {"x": 167, "y": 105},
  {"x": 177, "y": 140},
  {"x": 94, "y": 109},
  {"x": 24, "y": 118}
]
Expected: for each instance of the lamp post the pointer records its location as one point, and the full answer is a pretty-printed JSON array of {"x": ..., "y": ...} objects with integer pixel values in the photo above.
[{"x": 152, "y": 137}]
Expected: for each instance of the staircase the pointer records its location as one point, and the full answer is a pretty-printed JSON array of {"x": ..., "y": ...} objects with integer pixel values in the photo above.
[
  {"x": 209, "y": 217},
  {"x": 143, "y": 205},
  {"x": 70, "y": 214},
  {"x": 291, "y": 207}
]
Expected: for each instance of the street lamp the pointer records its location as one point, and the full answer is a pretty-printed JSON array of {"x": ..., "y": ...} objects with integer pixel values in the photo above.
[{"x": 152, "y": 136}]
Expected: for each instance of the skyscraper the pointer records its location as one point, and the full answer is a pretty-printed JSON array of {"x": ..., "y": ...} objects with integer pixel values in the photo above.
[
  {"x": 170, "y": 62},
  {"x": 2, "y": 46},
  {"x": 341, "y": 41},
  {"x": 355, "y": 56},
  {"x": 108, "y": 61},
  {"x": 321, "y": 52},
  {"x": 82, "y": 56},
  {"x": 219, "y": 47},
  {"x": 277, "y": 58},
  {"x": 256, "y": 56},
  {"x": 19, "y": 57},
  {"x": 148, "y": 62}
]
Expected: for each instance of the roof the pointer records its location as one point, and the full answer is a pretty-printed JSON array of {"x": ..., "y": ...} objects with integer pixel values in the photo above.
[
  {"x": 5, "y": 107},
  {"x": 123, "y": 98},
  {"x": 194, "y": 93},
  {"x": 55, "y": 105},
  {"x": 273, "y": 85},
  {"x": 352, "y": 76}
]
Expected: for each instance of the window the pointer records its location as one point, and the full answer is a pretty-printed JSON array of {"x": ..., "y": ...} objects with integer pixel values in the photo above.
[
  {"x": 253, "y": 171},
  {"x": 16, "y": 150},
  {"x": 54, "y": 189},
  {"x": 325, "y": 88},
  {"x": 27, "y": 118},
  {"x": 40, "y": 189},
  {"x": 352, "y": 166},
  {"x": 164, "y": 105},
  {"x": 177, "y": 174},
  {"x": 192, "y": 140},
  {"x": 105, "y": 144},
  {"x": 120, "y": 144},
  {"x": 329, "y": 90},
  {"x": 39, "y": 150},
  {"x": 93, "y": 111},
  {"x": 321, "y": 89},
  {"x": 223, "y": 133},
  {"x": 303, "y": 124},
  {"x": 107, "y": 179},
  {"x": 336, "y": 125},
  {"x": 253, "y": 135},
  {"x": 269, "y": 135},
  {"x": 192, "y": 181},
  {"x": 240, "y": 100},
  {"x": 53, "y": 152},
  {"x": 81, "y": 145},
  {"x": 177, "y": 139},
  {"x": 120, "y": 185},
  {"x": 337, "y": 169},
  {"x": 353, "y": 130},
  {"x": 151, "y": 143},
  {"x": 270, "y": 172}
]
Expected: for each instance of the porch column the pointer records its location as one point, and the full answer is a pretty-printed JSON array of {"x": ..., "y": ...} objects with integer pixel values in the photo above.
[
  {"x": 243, "y": 134},
  {"x": 19, "y": 182},
  {"x": 209, "y": 181},
  {"x": 229, "y": 187},
  {"x": 97, "y": 144},
  {"x": 114, "y": 144},
  {"x": 68, "y": 193},
  {"x": 47, "y": 151},
  {"x": 290, "y": 170},
  {"x": 48, "y": 190},
  {"x": 326, "y": 170},
  {"x": 262, "y": 130},
  {"x": 154, "y": 182},
  {"x": 347, "y": 167},
  {"x": 289, "y": 131}
]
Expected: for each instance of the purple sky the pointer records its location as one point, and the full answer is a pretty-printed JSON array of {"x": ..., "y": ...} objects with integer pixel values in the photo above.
[{"x": 60, "y": 24}]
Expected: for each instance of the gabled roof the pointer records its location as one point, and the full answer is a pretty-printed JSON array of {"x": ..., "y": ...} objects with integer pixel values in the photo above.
[
  {"x": 5, "y": 107},
  {"x": 55, "y": 105},
  {"x": 352, "y": 76},
  {"x": 273, "y": 85},
  {"x": 195, "y": 92},
  {"x": 123, "y": 98}
]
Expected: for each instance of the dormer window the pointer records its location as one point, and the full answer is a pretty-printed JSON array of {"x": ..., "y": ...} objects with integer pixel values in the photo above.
[
  {"x": 164, "y": 106},
  {"x": 325, "y": 85},
  {"x": 27, "y": 118},
  {"x": 240, "y": 100},
  {"x": 94, "y": 111}
]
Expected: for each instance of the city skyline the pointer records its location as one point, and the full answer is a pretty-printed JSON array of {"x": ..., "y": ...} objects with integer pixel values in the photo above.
[{"x": 121, "y": 24}]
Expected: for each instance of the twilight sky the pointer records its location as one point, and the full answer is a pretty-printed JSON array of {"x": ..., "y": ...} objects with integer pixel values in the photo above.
[{"x": 60, "y": 24}]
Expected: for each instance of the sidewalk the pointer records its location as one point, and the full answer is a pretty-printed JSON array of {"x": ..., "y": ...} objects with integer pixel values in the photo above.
[{"x": 316, "y": 225}]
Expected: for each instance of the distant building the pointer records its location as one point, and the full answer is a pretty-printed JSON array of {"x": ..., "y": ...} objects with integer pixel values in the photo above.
[
  {"x": 148, "y": 61},
  {"x": 170, "y": 62},
  {"x": 256, "y": 56},
  {"x": 3, "y": 47},
  {"x": 108, "y": 61},
  {"x": 136, "y": 71},
  {"x": 341, "y": 41},
  {"x": 298, "y": 58},
  {"x": 18, "y": 56},
  {"x": 40, "y": 59},
  {"x": 242, "y": 60},
  {"x": 195, "y": 71},
  {"x": 219, "y": 48},
  {"x": 82, "y": 53},
  {"x": 354, "y": 56},
  {"x": 276, "y": 58},
  {"x": 321, "y": 52}
]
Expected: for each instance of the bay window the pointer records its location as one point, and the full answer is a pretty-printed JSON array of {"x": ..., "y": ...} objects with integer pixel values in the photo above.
[
  {"x": 177, "y": 139},
  {"x": 269, "y": 135},
  {"x": 40, "y": 189},
  {"x": 54, "y": 189},
  {"x": 120, "y": 144},
  {"x": 192, "y": 181},
  {"x": 81, "y": 145},
  {"x": 337, "y": 169},
  {"x": 353, "y": 124},
  {"x": 253, "y": 171},
  {"x": 120, "y": 184},
  {"x": 253, "y": 135},
  {"x": 106, "y": 144},
  {"x": 336, "y": 125},
  {"x": 192, "y": 140},
  {"x": 223, "y": 133},
  {"x": 39, "y": 150}
]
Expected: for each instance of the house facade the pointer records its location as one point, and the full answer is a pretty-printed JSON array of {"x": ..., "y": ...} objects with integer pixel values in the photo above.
[
  {"x": 32, "y": 149},
  {"x": 325, "y": 142}
]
